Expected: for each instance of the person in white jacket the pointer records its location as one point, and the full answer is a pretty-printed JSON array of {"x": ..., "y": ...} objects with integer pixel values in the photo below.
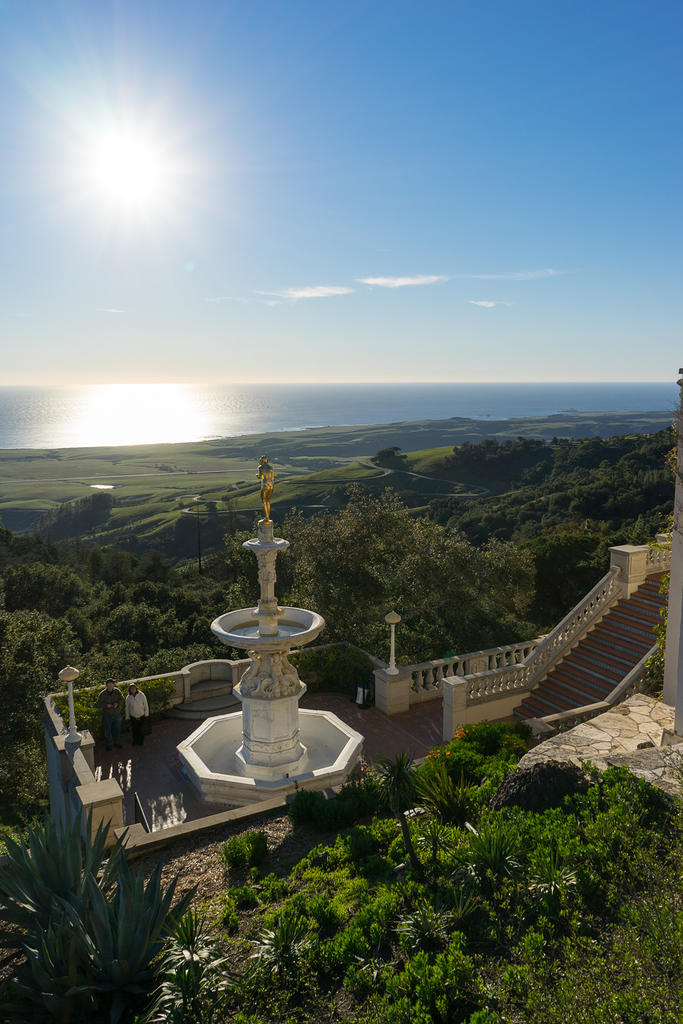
[{"x": 137, "y": 710}]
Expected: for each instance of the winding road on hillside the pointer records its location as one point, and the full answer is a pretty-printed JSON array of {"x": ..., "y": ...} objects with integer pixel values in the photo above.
[{"x": 386, "y": 471}]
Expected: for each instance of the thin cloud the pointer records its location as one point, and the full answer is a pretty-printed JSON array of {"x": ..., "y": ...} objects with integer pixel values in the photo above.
[
  {"x": 402, "y": 282},
  {"x": 518, "y": 275},
  {"x": 487, "y": 303},
  {"x": 320, "y": 291},
  {"x": 225, "y": 298},
  {"x": 110, "y": 309}
]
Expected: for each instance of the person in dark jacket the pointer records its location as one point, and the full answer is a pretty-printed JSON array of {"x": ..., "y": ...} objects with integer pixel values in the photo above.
[{"x": 110, "y": 702}]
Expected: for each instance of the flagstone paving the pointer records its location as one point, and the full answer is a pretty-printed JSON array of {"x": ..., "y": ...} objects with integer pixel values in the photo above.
[{"x": 628, "y": 735}]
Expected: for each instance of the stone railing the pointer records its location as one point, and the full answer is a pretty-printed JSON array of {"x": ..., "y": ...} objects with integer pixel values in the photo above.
[
  {"x": 75, "y": 792},
  {"x": 414, "y": 684},
  {"x": 426, "y": 679},
  {"x": 506, "y": 686}
]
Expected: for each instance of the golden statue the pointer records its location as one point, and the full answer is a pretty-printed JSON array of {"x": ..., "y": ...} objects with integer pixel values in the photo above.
[{"x": 266, "y": 474}]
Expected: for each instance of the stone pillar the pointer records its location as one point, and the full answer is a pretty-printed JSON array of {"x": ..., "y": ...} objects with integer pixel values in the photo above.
[
  {"x": 266, "y": 549},
  {"x": 454, "y": 705},
  {"x": 673, "y": 666},
  {"x": 631, "y": 559},
  {"x": 392, "y": 693}
]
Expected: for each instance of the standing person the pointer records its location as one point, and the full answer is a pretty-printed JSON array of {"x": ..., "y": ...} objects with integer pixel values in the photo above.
[
  {"x": 137, "y": 710},
  {"x": 109, "y": 702}
]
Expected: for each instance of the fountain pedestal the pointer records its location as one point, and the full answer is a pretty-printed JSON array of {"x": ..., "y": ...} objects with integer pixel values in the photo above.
[{"x": 281, "y": 747}]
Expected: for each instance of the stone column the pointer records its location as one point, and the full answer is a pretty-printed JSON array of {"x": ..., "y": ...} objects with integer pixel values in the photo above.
[{"x": 673, "y": 666}]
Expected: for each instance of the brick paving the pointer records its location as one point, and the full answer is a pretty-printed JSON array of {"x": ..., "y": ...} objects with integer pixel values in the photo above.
[{"x": 155, "y": 773}]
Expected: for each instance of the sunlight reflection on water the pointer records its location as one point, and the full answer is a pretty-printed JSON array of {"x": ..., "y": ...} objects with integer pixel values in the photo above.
[
  {"x": 128, "y": 414},
  {"x": 142, "y": 413}
]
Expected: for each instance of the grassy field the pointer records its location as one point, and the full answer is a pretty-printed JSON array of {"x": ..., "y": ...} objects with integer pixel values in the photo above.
[{"x": 152, "y": 485}]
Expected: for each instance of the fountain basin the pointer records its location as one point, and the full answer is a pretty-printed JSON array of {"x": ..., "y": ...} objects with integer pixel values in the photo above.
[
  {"x": 295, "y": 627},
  {"x": 209, "y": 756}
]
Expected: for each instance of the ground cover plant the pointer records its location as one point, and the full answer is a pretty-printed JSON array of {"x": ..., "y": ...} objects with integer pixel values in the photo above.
[
  {"x": 572, "y": 916},
  {"x": 506, "y": 916}
]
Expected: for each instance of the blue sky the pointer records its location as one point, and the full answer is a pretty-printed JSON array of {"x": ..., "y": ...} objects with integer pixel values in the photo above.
[{"x": 344, "y": 191}]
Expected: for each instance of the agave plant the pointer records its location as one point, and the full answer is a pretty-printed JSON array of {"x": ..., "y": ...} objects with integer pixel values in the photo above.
[
  {"x": 89, "y": 929},
  {"x": 433, "y": 838},
  {"x": 446, "y": 800},
  {"x": 194, "y": 979},
  {"x": 552, "y": 877},
  {"x": 494, "y": 850},
  {"x": 127, "y": 934},
  {"x": 280, "y": 949},
  {"x": 52, "y": 864},
  {"x": 426, "y": 927}
]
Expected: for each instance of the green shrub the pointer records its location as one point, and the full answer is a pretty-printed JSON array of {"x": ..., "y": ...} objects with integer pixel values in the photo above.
[
  {"x": 485, "y": 750},
  {"x": 355, "y": 800},
  {"x": 273, "y": 889},
  {"x": 433, "y": 989},
  {"x": 245, "y": 897},
  {"x": 229, "y": 917},
  {"x": 157, "y": 691},
  {"x": 336, "y": 669},
  {"x": 245, "y": 850}
]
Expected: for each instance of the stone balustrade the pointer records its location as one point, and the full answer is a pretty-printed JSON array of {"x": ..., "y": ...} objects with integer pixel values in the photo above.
[
  {"x": 75, "y": 793},
  {"x": 415, "y": 684},
  {"x": 506, "y": 686},
  {"x": 502, "y": 675}
]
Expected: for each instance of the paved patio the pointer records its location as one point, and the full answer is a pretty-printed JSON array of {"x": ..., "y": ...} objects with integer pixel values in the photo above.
[
  {"x": 156, "y": 774},
  {"x": 633, "y": 735}
]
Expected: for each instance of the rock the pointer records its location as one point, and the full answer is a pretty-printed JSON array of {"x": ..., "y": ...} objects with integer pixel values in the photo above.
[{"x": 542, "y": 785}]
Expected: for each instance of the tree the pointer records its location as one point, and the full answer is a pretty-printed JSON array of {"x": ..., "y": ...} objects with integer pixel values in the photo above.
[
  {"x": 354, "y": 565},
  {"x": 397, "y": 779}
]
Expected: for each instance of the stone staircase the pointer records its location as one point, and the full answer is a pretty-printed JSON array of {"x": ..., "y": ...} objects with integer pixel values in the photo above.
[
  {"x": 211, "y": 697},
  {"x": 603, "y": 657}
]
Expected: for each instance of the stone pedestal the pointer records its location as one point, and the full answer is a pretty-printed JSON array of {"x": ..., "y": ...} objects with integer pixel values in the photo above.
[
  {"x": 271, "y": 744},
  {"x": 270, "y": 691}
]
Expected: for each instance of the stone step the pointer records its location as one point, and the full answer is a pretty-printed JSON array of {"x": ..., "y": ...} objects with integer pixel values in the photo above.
[
  {"x": 630, "y": 646},
  {"x": 536, "y": 707},
  {"x": 210, "y": 706},
  {"x": 577, "y": 686},
  {"x": 649, "y": 602},
  {"x": 620, "y": 623},
  {"x": 211, "y": 688},
  {"x": 601, "y": 647},
  {"x": 584, "y": 666},
  {"x": 638, "y": 613}
]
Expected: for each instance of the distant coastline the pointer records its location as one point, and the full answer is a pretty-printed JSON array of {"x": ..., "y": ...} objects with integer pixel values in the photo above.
[{"x": 55, "y": 417}]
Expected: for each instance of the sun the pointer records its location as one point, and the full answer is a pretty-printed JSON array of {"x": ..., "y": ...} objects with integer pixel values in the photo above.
[{"x": 126, "y": 169}]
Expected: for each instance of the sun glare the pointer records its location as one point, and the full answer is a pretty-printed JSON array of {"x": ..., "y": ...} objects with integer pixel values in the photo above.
[{"x": 127, "y": 169}]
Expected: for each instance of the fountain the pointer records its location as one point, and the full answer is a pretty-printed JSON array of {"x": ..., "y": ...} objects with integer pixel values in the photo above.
[{"x": 271, "y": 747}]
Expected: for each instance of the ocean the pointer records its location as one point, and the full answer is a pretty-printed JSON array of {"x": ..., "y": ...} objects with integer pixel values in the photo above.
[{"x": 111, "y": 415}]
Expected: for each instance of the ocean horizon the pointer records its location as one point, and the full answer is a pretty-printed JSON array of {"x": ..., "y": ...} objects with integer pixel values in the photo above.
[{"x": 117, "y": 415}]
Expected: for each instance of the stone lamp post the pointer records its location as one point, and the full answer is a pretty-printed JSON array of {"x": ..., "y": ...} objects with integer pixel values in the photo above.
[
  {"x": 393, "y": 620},
  {"x": 73, "y": 739}
]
